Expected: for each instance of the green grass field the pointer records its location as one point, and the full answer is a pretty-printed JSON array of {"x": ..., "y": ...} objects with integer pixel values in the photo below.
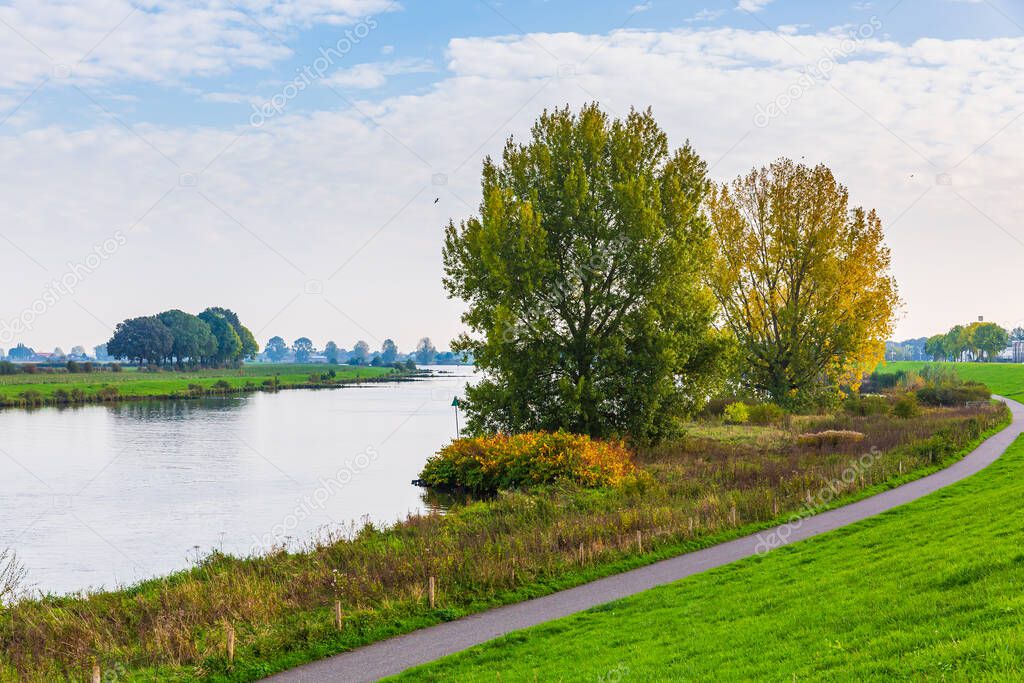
[
  {"x": 929, "y": 591},
  {"x": 133, "y": 384}
]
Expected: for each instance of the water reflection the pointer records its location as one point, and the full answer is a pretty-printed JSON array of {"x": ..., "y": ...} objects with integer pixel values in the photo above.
[{"x": 101, "y": 495}]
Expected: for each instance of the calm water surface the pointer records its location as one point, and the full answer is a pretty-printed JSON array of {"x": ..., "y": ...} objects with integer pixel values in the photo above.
[{"x": 102, "y": 496}]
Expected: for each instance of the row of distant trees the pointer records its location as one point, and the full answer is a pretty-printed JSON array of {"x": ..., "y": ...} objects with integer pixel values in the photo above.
[
  {"x": 214, "y": 338},
  {"x": 303, "y": 349},
  {"x": 976, "y": 341}
]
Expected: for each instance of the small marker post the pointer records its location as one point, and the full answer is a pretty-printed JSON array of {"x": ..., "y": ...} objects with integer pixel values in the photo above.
[{"x": 455, "y": 404}]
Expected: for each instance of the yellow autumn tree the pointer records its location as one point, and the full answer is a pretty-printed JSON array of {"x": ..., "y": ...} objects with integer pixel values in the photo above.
[{"x": 803, "y": 281}]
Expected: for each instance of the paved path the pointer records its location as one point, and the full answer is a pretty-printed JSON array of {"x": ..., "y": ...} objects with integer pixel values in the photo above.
[{"x": 395, "y": 655}]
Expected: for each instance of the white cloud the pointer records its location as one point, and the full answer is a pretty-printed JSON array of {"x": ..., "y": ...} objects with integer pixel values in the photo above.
[
  {"x": 375, "y": 74},
  {"x": 354, "y": 186},
  {"x": 705, "y": 15},
  {"x": 159, "y": 40},
  {"x": 753, "y": 5}
]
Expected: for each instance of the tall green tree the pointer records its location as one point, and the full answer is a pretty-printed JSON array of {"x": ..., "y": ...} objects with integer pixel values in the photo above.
[
  {"x": 803, "y": 280},
  {"x": 142, "y": 340},
  {"x": 229, "y": 345},
  {"x": 193, "y": 338},
  {"x": 957, "y": 342},
  {"x": 249, "y": 348},
  {"x": 936, "y": 347},
  {"x": 582, "y": 276},
  {"x": 360, "y": 354},
  {"x": 331, "y": 352},
  {"x": 303, "y": 348},
  {"x": 425, "y": 352},
  {"x": 388, "y": 352},
  {"x": 276, "y": 349},
  {"x": 990, "y": 339}
]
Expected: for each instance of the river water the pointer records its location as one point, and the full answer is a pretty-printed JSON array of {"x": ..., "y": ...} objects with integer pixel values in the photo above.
[{"x": 104, "y": 496}]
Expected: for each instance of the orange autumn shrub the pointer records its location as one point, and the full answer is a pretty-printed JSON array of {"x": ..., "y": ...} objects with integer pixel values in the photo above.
[{"x": 491, "y": 463}]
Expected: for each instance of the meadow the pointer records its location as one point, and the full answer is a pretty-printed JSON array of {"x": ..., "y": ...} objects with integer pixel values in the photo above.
[
  {"x": 718, "y": 482},
  {"x": 60, "y": 388}
]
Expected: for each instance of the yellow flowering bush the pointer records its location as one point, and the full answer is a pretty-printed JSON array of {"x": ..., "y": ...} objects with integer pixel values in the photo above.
[{"x": 500, "y": 461}]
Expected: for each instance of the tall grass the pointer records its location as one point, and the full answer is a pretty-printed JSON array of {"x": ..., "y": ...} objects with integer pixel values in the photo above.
[{"x": 704, "y": 487}]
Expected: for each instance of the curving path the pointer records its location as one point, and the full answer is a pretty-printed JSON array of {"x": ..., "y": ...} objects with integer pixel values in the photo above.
[{"x": 395, "y": 655}]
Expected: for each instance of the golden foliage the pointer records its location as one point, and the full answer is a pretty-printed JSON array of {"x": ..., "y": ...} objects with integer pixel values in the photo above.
[{"x": 802, "y": 279}]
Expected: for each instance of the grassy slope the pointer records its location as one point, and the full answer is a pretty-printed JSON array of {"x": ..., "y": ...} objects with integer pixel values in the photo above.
[
  {"x": 139, "y": 384},
  {"x": 900, "y": 595},
  {"x": 928, "y": 591}
]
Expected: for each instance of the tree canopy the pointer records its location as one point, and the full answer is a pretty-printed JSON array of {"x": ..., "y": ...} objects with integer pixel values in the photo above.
[
  {"x": 276, "y": 349},
  {"x": 803, "y": 280},
  {"x": 583, "y": 279},
  {"x": 207, "y": 339},
  {"x": 303, "y": 348}
]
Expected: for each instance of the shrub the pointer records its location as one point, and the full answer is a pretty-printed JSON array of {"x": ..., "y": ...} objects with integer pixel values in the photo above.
[
  {"x": 221, "y": 385},
  {"x": 830, "y": 437},
  {"x": 906, "y": 407},
  {"x": 31, "y": 398},
  {"x": 865, "y": 405},
  {"x": 946, "y": 395},
  {"x": 736, "y": 413},
  {"x": 491, "y": 463},
  {"x": 115, "y": 367},
  {"x": 61, "y": 396},
  {"x": 8, "y": 368},
  {"x": 766, "y": 414},
  {"x": 77, "y": 395},
  {"x": 108, "y": 393}
]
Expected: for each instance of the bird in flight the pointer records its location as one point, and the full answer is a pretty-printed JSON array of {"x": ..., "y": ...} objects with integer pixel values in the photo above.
[{"x": 437, "y": 199}]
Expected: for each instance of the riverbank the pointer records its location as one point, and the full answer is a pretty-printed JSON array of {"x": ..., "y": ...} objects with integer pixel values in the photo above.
[
  {"x": 720, "y": 482},
  {"x": 63, "y": 388}
]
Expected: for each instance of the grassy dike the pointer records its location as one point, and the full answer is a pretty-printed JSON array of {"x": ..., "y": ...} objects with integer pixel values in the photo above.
[
  {"x": 928, "y": 591},
  {"x": 30, "y": 390},
  {"x": 486, "y": 554}
]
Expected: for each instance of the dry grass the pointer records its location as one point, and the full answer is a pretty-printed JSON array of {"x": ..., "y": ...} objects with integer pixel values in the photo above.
[{"x": 280, "y": 605}]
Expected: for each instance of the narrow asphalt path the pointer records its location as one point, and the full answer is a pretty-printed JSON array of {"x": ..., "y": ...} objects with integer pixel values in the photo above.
[{"x": 395, "y": 655}]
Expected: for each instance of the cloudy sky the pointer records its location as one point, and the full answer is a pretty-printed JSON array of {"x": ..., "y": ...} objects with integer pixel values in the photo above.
[{"x": 282, "y": 158}]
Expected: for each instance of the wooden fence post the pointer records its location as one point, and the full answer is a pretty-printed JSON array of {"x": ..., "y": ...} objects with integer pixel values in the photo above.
[
  {"x": 337, "y": 614},
  {"x": 431, "y": 591},
  {"x": 96, "y": 676},
  {"x": 231, "y": 644}
]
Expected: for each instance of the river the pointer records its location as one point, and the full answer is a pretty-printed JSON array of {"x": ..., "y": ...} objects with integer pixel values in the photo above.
[{"x": 104, "y": 496}]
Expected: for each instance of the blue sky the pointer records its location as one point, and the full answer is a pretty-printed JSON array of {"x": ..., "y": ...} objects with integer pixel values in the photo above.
[
  {"x": 229, "y": 168},
  {"x": 420, "y": 31}
]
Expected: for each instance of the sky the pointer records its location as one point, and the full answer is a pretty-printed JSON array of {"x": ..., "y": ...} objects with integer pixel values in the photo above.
[{"x": 297, "y": 161}]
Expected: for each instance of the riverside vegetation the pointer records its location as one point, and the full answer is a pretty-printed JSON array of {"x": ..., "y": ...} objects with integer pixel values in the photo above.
[
  {"x": 718, "y": 481},
  {"x": 61, "y": 387}
]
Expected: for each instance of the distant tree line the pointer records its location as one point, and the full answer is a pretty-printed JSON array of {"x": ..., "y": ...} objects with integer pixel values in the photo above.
[
  {"x": 976, "y": 341},
  {"x": 302, "y": 350},
  {"x": 214, "y": 338}
]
